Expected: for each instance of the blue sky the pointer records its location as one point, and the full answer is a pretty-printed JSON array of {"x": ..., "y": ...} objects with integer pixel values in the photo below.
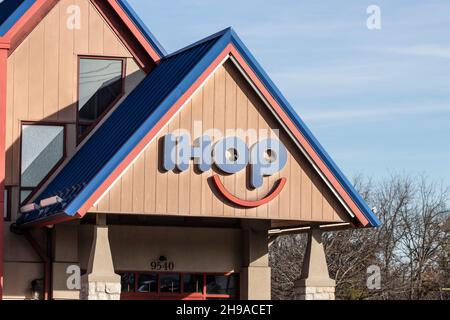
[{"x": 377, "y": 100}]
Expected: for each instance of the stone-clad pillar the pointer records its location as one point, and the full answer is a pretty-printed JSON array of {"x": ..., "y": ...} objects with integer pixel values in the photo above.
[
  {"x": 100, "y": 281},
  {"x": 315, "y": 282},
  {"x": 255, "y": 273}
]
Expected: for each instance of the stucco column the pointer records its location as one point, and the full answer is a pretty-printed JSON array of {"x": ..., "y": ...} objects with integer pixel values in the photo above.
[
  {"x": 315, "y": 282},
  {"x": 255, "y": 273},
  {"x": 100, "y": 281}
]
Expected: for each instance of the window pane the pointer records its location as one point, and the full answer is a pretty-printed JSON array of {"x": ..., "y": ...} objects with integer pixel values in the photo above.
[
  {"x": 82, "y": 129},
  {"x": 147, "y": 283},
  {"x": 221, "y": 285},
  {"x": 170, "y": 283},
  {"x": 42, "y": 149},
  {"x": 127, "y": 282},
  {"x": 193, "y": 283},
  {"x": 100, "y": 84},
  {"x": 5, "y": 212},
  {"x": 24, "y": 195}
]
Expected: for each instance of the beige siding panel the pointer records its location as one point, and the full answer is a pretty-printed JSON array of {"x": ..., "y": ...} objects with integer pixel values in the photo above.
[
  {"x": 195, "y": 187},
  {"x": 95, "y": 31},
  {"x": 66, "y": 66},
  {"x": 51, "y": 72},
  {"x": 295, "y": 189},
  {"x": 105, "y": 205},
  {"x": 328, "y": 213},
  {"x": 36, "y": 76},
  {"x": 161, "y": 186},
  {"x": 110, "y": 43},
  {"x": 317, "y": 206},
  {"x": 208, "y": 124},
  {"x": 151, "y": 163},
  {"x": 219, "y": 123},
  {"x": 241, "y": 181},
  {"x": 127, "y": 192},
  {"x": 253, "y": 136},
  {"x": 263, "y": 134},
  {"x": 123, "y": 51},
  {"x": 173, "y": 180},
  {"x": 21, "y": 89},
  {"x": 9, "y": 176},
  {"x": 226, "y": 102},
  {"x": 284, "y": 198},
  {"x": 115, "y": 197},
  {"x": 185, "y": 177},
  {"x": 230, "y": 123},
  {"x": 81, "y": 36},
  {"x": 306, "y": 195},
  {"x": 138, "y": 185}
]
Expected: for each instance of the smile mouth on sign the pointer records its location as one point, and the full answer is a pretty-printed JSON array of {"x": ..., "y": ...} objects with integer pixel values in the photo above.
[{"x": 249, "y": 203}]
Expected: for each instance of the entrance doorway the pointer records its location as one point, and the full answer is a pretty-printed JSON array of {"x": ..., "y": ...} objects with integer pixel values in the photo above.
[{"x": 179, "y": 286}]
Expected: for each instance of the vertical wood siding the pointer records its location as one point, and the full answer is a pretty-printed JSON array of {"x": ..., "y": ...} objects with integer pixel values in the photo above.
[{"x": 226, "y": 101}]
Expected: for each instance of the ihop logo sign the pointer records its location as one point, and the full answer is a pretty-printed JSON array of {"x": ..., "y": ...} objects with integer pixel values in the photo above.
[{"x": 229, "y": 155}]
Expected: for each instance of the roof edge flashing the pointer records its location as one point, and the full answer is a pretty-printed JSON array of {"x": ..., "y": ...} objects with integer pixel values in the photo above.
[{"x": 15, "y": 16}]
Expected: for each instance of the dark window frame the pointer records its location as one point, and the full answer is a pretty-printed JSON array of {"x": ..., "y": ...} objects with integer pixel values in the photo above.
[
  {"x": 52, "y": 171},
  {"x": 7, "y": 214},
  {"x": 81, "y": 137},
  {"x": 181, "y": 295}
]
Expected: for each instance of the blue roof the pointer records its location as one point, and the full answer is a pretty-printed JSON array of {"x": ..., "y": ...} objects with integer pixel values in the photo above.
[
  {"x": 142, "y": 110},
  {"x": 11, "y": 11}
]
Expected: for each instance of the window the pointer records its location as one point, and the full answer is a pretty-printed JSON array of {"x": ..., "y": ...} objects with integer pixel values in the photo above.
[
  {"x": 127, "y": 282},
  {"x": 7, "y": 204},
  {"x": 147, "y": 283},
  {"x": 169, "y": 283},
  {"x": 43, "y": 148},
  {"x": 198, "y": 286},
  {"x": 193, "y": 283},
  {"x": 221, "y": 285},
  {"x": 100, "y": 85}
]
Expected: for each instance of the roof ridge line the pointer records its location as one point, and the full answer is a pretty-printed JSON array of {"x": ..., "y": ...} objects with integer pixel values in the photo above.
[{"x": 227, "y": 30}]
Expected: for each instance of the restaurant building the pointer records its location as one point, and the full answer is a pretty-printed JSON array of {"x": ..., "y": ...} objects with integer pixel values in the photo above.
[{"x": 151, "y": 175}]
